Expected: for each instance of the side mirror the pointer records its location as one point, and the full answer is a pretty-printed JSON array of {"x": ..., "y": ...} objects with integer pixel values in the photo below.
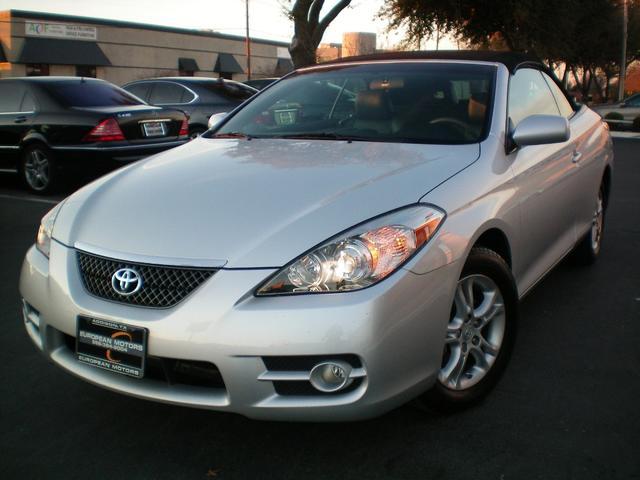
[
  {"x": 541, "y": 129},
  {"x": 216, "y": 118}
]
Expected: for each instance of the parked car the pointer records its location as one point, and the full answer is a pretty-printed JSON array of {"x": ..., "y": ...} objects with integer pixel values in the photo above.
[
  {"x": 197, "y": 96},
  {"x": 622, "y": 114},
  {"x": 260, "y": 83},
  {"x": 52, "y": 124},
  {"x": 310, "y": 264}
]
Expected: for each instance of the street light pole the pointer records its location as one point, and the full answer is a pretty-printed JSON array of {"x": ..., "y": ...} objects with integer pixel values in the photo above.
[
  {"x": 623, "y": 58},
  {"x": 248, "y": 41}
]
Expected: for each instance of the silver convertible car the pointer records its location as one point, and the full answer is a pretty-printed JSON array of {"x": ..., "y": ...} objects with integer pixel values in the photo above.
[{"x": 355, "y": 236}]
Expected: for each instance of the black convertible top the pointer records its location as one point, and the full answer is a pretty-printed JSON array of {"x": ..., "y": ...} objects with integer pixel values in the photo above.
[{"x": 511, "y": 60}]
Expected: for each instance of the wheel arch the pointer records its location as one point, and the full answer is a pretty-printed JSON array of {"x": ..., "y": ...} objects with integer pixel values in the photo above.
[
  {"x": 495, "y": 239},
  {"x": 33, "y": 138}
]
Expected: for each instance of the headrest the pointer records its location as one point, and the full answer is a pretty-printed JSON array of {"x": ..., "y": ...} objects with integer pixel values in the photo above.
[
  {"x": 372, "y": 105},
  {"x": 477, "y": 108}
]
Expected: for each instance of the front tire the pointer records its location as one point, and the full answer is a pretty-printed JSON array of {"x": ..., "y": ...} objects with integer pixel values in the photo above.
[
  {"x": 38, "y": 169},
  {"x": 480, "y": 334}
]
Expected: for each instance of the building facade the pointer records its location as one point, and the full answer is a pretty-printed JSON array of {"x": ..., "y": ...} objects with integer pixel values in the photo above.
[{"x": 33, "y": 43}]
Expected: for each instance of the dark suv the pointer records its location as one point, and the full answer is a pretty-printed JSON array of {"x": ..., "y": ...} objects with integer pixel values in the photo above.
[
  {"x": 197, "y": 96},
  {"x": 51, "y": 124}
]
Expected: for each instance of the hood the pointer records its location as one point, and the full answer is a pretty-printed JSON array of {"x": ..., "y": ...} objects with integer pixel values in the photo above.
[{"x": 251, "y": 203}]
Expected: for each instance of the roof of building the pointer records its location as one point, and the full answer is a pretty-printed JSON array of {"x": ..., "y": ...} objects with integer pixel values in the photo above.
[
  {"x": 146, "y": 26},
  {"x": 511, "y": 60}
]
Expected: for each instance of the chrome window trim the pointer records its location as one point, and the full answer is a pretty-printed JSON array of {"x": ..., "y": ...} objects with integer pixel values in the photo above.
[
  {"x": 30, "y": 112},
  {"x": 195, "y": 95},
  {"x": 148, "y": 259}
]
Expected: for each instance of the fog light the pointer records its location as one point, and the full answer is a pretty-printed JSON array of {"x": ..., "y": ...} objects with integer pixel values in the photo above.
[{"x": 331, "y": 376}]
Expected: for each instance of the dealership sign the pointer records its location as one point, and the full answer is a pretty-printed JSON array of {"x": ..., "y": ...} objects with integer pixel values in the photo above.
[{"x": 59, "y": 30}]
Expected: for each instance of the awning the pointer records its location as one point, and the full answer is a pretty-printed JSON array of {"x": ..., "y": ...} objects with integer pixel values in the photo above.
[
  {"x": 283, "y": 66},
  {"x": 188, "y": 65},
  {"x": 3, "y": 58},
  {"x": 62, "y": 52},
  {"x": 227, "y": 63}
]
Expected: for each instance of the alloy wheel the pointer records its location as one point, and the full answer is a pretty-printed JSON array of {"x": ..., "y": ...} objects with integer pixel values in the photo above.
[
  {"x": 597, "y": 224},
  {"x": 36, "y": 169},
  {"x": 475, "y": 332}
]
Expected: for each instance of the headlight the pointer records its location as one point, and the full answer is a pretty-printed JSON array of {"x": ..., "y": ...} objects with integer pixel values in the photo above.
[
  {"x": 359, "y": 257},
  {"x": 43, "y": 240}
]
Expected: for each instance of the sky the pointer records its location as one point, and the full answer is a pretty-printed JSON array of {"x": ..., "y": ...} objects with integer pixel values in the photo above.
[{"x": 227, "y": 16}]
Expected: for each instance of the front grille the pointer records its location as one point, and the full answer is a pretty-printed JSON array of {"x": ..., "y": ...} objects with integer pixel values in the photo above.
[{"x": 162, "y": 286}]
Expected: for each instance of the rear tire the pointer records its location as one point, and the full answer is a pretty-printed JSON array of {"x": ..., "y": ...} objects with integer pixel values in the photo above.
[
  {"x": 588, "y": 249},
  {"x": 39, "y": 170},
  {"x": 480, "y": 334}
]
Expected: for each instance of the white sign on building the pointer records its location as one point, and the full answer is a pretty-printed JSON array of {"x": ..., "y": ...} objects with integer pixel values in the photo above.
[{"x": 59, "y": 30}]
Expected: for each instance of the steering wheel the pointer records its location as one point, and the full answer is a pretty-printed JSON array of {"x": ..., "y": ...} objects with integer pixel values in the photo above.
[{"x": 458, "y": 125}]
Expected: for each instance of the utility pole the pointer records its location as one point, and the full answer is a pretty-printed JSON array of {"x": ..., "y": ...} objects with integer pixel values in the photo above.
[
  {"x": 248, "y": 41},
  {"x": 623, "y": 58}
]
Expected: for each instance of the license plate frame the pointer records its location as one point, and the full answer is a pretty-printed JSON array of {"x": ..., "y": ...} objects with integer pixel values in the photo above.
[
  {"x": 154, "y": 129},
  {"x": 112, "y": 346}
]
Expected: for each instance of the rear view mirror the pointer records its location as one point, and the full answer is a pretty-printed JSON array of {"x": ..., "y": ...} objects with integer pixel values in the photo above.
[
  {"x": 541, "y": 129},
  {"x": 216, "y": 118}
]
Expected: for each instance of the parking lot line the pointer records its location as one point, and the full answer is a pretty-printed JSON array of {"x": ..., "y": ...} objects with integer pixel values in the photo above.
[{"x": 29, "y": 199}]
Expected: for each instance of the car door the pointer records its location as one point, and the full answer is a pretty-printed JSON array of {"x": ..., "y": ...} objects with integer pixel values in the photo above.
[
  {"x": 17, "y": 108},
  {"x": 587, "y": 138},
  {"x": 544, "y": 175}
]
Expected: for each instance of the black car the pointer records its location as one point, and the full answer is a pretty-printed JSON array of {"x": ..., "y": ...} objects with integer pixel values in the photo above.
[
  {"x": 261, "y": 83},
  {"x": 199, "y": 97},
  {"x": 52, "y": 124}
]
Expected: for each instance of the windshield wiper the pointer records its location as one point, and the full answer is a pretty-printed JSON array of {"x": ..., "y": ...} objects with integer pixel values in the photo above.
[
  {"x": 323, "y": 136},
  {"x": 231, "y": 135}
]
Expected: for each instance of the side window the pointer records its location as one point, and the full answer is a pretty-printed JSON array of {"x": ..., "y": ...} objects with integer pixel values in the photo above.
[
  {"x": 28, "y": 103},
  {"x": 529, "y": 95},
  {"x": 566, "y": 110},
  {"x": 140, "y": 90},
  {"x": 187, "y": 96},
  {"x": 634, "y": 101},
  {"x": 10, "y": 97},
  {"x": 165, "y": 92}
]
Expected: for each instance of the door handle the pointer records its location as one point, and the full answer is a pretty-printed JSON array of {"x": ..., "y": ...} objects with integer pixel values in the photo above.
[
  {"x": 20, "y": 119},
  {"x": 576, "y": 156}
]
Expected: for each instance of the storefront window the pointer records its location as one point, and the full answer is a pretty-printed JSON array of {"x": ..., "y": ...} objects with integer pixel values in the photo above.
[
  {"x": 86, "y": 71},
  {"x": 37, "y": 70}
]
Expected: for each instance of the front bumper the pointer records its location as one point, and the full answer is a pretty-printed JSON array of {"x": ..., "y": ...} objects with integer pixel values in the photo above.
[{"x": 395, "y": 330}]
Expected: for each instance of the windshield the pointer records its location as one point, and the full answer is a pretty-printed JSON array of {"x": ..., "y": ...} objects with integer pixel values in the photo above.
[
  {"x": 90, "y": 93},
  {"x": 419, "y": 102}
]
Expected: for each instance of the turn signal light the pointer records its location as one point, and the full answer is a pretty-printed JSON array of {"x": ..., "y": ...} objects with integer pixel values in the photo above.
[{"x": 106, "y": 131}]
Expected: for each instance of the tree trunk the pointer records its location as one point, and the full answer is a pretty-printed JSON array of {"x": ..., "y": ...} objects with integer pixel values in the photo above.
[{"x": 302, "y": 53}]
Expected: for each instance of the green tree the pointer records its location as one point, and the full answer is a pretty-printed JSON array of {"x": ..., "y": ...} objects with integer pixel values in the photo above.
[{"x": 584, "y": 35}]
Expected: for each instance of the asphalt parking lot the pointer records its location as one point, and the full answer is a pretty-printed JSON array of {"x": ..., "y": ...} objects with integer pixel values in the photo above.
[{"x": 568, "y": 406}]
